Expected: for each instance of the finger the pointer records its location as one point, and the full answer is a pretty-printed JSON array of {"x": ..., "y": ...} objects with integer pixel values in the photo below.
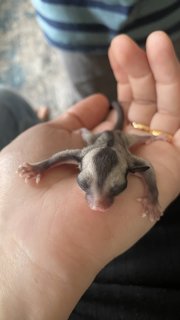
[
  {"x": 124, "y": 87},
  {"x": 177, "y": 139},
  {"x": 133, "y": 61},
  {"x": 166, "y": 72},
  {"x": 108, "y": 123},
  {"x": 87, "y": 113}
]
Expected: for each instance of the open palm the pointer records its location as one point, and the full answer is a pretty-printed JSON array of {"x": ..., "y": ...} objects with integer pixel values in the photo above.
[{"x": 148, "y": 86}]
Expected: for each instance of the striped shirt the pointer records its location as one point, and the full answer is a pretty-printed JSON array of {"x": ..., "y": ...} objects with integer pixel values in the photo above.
[{"x": 90, "y": 25}]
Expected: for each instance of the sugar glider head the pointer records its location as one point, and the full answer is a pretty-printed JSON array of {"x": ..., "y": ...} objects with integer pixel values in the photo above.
[{"x": 102, "y": 177}]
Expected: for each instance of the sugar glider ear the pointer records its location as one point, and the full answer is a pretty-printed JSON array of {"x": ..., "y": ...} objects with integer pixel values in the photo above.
[
  {"x": 138, "y": 168},
  {"x": 74, "y": 157}
]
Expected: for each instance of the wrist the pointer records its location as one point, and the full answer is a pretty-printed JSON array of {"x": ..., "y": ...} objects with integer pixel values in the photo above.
[{"x": 28, "y": 291}]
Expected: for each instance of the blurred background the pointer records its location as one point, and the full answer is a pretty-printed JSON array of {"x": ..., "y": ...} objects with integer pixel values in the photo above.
[{"x": 27, "y": 63}]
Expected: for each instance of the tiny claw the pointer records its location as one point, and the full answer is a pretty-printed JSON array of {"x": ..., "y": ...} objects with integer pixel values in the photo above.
[
  {"x": 24, "y": 164},
  {"x": 38, "y": 178},
  {"x": 26, "y": 180},
  {"x": 152, "y": 219},
  {"x": 144, "y": 215},
  {"x": 21, "y": 174}
]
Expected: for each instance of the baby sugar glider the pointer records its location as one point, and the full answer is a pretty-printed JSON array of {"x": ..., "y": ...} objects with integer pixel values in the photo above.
[{"x": 104, "y": 165}]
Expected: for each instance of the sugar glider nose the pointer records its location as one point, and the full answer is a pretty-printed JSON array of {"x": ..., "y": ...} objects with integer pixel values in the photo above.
[{"x": 100, "y": 204}]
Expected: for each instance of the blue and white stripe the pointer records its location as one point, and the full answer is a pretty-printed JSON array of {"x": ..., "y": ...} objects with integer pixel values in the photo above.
[{"x": 90, "y": 25}]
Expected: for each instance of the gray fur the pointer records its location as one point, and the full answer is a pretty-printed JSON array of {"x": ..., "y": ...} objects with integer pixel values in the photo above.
[
  {"x": 106, "y": 157},
  {"x": 104, "y": 165}
]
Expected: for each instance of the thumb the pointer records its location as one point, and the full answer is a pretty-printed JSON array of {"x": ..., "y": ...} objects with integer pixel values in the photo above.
[{"x": 87, "y": 113}]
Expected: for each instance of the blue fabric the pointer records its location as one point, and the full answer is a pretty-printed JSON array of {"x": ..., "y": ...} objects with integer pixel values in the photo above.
[{"x": 88, "y": 26}]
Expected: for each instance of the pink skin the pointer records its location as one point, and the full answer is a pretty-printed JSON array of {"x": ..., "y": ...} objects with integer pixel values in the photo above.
[{"x": 101, "y": 204}]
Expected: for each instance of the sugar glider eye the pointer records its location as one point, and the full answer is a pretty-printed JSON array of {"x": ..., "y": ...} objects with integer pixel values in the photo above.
[
  {"x": 83, "y": 183},
  {"x": 117, "y": 189}
]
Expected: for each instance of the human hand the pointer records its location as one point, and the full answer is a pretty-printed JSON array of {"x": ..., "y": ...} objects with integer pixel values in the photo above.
[
  {"x": 148, "y": 84},
  {"x": 44, "y": 229},
  {"x": 52, "y": 244}
]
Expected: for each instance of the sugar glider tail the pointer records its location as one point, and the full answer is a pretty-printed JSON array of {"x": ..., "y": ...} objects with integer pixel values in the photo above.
[{"x": 120, "y": 115}]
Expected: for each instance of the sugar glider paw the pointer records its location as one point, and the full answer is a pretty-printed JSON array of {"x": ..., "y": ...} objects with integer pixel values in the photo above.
[
  {"x": 86, "y": 135},
  {"x": 28, "y": 171},
  {"x": 150, "y": 210},
  {"x": 164, "y": 137}
]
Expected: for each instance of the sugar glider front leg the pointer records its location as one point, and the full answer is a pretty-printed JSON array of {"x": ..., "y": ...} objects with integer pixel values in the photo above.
[
  {"x": 34, "y": 170},
  {"x": 149, "y": 200},
  {"x": 136, "y": 140}
]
